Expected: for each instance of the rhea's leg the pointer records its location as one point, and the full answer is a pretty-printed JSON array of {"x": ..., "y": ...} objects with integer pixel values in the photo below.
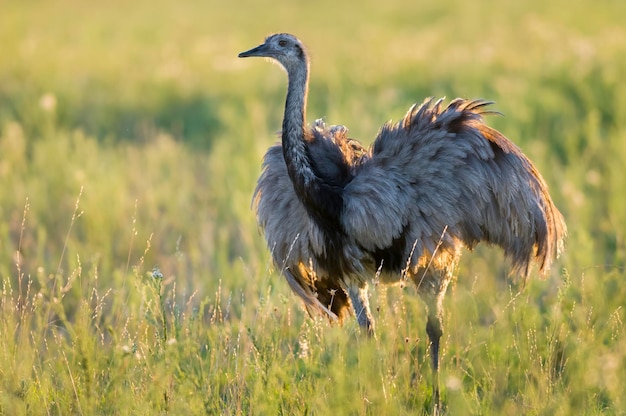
[
  {"x": 432, "y": 287},
  {"x": 361, "y": 305},
  {"x": 433, "y": 329}
]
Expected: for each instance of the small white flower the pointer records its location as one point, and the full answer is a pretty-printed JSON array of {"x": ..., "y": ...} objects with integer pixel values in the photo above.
[{"x": 156, "y": 273}]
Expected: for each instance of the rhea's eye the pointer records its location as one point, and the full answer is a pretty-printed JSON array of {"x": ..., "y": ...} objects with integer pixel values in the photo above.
[{"x": 282, "y": 43}]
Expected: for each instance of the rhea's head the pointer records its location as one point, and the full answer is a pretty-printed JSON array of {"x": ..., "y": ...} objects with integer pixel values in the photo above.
[{"x": 282, "y": 47}]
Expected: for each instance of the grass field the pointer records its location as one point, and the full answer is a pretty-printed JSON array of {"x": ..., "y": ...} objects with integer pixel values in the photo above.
[{"x": 134, "y": 279}]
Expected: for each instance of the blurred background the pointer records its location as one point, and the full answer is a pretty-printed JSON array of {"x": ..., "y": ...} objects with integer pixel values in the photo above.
[{"x": 131, "y": 138}]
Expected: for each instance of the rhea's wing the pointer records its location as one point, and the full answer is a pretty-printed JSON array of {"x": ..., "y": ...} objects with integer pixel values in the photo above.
[
  {"x": 442, "y": 171},
  {"x": 294, "y": 239}
]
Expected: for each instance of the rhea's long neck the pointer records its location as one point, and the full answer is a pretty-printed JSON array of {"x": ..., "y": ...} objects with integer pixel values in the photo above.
[
  {"x": 322, "y": 203},
  {"x": 293, "y": 136}
]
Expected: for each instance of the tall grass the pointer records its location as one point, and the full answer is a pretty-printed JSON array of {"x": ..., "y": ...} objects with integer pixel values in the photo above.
[{"x": 134, "y": 280}]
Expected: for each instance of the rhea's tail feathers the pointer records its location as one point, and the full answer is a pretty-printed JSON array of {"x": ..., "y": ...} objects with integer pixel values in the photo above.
[
  {"x": 309, "y": 297},
  {"x": 320, "y": 295}
]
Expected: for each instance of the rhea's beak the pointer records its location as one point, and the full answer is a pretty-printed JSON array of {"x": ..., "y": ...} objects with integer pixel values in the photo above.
[{"x": 258, "y": 51}]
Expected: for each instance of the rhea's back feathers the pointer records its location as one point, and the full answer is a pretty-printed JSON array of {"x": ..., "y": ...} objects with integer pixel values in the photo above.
[{"x": 444, "y": 168}]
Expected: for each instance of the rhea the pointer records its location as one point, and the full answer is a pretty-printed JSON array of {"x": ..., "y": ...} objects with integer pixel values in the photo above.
[{"x": 337, "y": 215}]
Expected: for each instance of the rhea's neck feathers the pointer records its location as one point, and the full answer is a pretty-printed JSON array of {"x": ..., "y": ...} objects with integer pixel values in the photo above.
[{"x": 293, "y": 133}]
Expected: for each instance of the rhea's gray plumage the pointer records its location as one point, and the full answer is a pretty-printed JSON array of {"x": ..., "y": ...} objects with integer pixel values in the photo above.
[{"x": 335, "y": 214}]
